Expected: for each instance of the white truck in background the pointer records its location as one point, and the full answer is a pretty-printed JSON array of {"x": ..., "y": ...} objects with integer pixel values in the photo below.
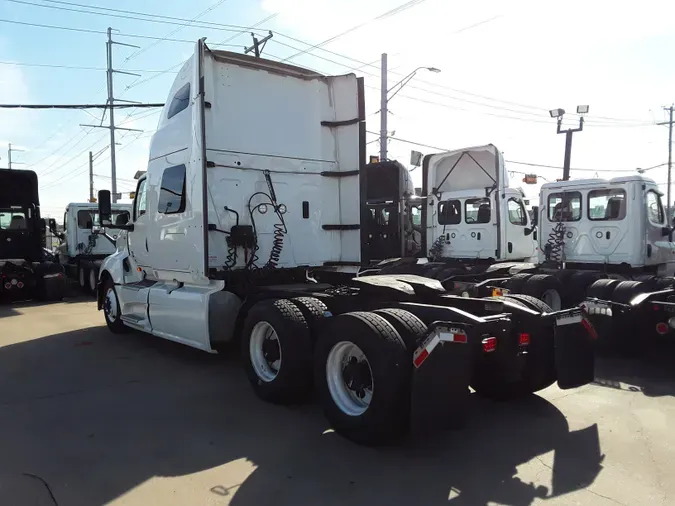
[
  {"x": 248, "y": 228},
  {"x": 84, "y": 245},
  {"x": 600, "y": 238}
]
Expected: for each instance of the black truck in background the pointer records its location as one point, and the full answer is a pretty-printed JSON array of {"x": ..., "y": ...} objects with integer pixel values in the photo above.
[{"x": 26, "y": 269}]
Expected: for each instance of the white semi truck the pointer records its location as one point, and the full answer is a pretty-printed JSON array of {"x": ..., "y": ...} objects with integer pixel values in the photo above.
[
  {"x": 247, "y": 228},
  {"x": 84, "y": 244},
  {"x": 596, "y": 238}
]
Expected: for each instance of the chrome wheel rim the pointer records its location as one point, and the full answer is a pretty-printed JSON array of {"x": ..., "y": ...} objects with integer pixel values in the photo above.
[
  {"x": 110, "y": 305},
  {"x": 265, "y": 351},
  {"x": 350, "y": 378}
]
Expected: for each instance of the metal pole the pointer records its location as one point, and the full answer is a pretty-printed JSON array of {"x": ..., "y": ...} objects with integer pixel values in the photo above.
[
  {"x": 91, "y": 177},
  {"x": 670, "y": 162},
  {"x": 9, "y": 156},
  {"x": 568, "y": 155},
  {"x": 383, "y": 108},
  {"x": 113, "y": 169}
]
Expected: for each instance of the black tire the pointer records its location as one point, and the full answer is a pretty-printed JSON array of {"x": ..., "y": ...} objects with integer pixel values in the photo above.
[
  {"x": 386, "y": 419},
  {"x": 516, "y": 283},
  {"x": 411, "y": 329},
  {"x": 625, "y": 328},
  {"x": 602, "y": 289},
  {"x": 539, "y": 371},
  {"x": 113, "y": 320},
  {"x": 314, "y": 311},
  {"x": 531, "y": 302},
  {"x": 92, "y": 289},
  {"x": 625, "y": 291},
  {"x": 50, "y": 282},
  {"x": 292, "y": 382},
  {"x": 539, "y": 284},
  {"x": 83, "y": 277},
  {"x": 577, "y": 285},
  {"x": 661, "y": 284}
]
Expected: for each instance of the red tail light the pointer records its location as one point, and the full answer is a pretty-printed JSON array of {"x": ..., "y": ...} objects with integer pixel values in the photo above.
[
  {"x": 489, "y": 344},
  {"x": 524, "y": 339},
  {"x": 661, "y": 328}
]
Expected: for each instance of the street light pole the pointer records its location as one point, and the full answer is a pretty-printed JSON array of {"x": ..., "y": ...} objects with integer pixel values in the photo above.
[
  {"x": 559, "y": 113},
  {"x": 385, "y": 98}
]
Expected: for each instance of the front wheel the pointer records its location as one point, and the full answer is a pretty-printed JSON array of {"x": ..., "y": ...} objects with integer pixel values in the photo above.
[{"x": 111, "y": 308}]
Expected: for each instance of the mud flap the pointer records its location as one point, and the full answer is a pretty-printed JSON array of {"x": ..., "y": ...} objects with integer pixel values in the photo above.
[
  {"x": 440, "y": 382},
  {"x": 574, "y": 348}
]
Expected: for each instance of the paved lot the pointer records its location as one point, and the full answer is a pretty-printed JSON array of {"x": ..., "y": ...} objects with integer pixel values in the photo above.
[{"x": 91, "y": 418}]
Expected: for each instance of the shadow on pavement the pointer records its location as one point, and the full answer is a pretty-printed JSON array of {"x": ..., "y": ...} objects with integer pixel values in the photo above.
[
  {"x": 651, "y": 373},
  {"x": 88, "y": 416}
]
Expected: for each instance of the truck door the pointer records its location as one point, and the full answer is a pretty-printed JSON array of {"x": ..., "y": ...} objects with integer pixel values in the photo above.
[
  {"x": 659, "y": 250},
  {"x": 138, "y": 237},
  {"x": 478, "y": 238},
  {"x": 519, "y": 241}
]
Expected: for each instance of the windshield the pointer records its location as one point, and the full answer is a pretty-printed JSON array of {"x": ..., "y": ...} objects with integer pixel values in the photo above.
[
  {"x": 13, "y": 219},
  {"x": 86, "y": 218}
]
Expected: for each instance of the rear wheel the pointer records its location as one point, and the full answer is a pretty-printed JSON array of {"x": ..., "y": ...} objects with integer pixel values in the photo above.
[
  {"x": 83, "y": 277},
  {"x": 409, "y": 327},
  {"x": 111, "y": 308},
  {"x": 516, "y": 282},
  {"x": 93, "y": 280},
  {"x": 362, "y": 374},
  {"x": 546, "y": 288},
  {"x": 276, "y": 351}
]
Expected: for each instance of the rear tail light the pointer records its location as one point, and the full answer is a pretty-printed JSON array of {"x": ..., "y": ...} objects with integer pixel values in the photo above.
[
  {"x": 8, "y": 286},
  {"x": 661, "y": 328},
  {"x": 524, "y": 339},
  {"x": 489, "y": 344},
  {"x": 19, "y": 284}
]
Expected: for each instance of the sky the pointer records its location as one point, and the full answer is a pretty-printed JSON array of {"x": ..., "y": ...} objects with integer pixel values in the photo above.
[{"x": 503, "y": 65}]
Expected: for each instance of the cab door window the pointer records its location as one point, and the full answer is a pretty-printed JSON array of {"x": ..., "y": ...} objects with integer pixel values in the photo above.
[
  {"x": 655, "y": 208},
  {"x": 517, "y": 213},
  {"x": 140, "y": 204}
]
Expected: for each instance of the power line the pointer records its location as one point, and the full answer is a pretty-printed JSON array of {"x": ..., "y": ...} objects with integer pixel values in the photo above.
[
  {"x": 70, "y": 67},
  {"x": 530, "y": 164},
  {"x": 78, "y": 106},
  {"x": 129, "y": 15},
  {"x": 389, "y": 13}
]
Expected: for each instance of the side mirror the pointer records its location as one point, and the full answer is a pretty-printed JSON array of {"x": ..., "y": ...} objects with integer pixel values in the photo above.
[
  {"x": 528, "y": 231},
  {"x": 666, "y": 231},
  {"x": 104, "y": 207},
  {"x": 535, "y": 216},
  {"x": 52, "y": 226}
]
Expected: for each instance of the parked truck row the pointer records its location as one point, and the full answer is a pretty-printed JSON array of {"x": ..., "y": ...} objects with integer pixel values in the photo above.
[
  {"x": 249, "y": 228},
  {"x": 595, "y": 238}
]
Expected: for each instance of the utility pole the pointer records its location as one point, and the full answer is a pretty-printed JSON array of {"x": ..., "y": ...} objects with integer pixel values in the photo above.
[
  {"x": 383, "y": 108},
  {"x": 111, "y": 116},
  {"x": 670, "y": 160},
  {"x": 258, "y": 45},
  {"x": 110, "y": 106},
  {"x": 91, "y": 177},
  {"x": 11, "y": 150}
]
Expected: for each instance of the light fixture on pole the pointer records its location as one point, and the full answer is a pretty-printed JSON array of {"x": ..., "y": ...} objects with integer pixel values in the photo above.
[
  {"x": 559, "y": 113},
  {"x": 385, "y": 98}
]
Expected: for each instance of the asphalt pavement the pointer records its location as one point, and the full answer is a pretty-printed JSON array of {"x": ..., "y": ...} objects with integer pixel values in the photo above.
[{"x": 91, "y": 418}]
